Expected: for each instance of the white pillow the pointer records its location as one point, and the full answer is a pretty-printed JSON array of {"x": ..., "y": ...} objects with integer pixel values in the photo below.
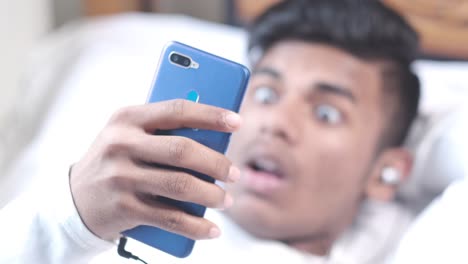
[{"x": 438, "y": 137}]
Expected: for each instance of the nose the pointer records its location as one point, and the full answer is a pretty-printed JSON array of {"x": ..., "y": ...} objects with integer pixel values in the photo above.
[{"x": 283, "y": 121}]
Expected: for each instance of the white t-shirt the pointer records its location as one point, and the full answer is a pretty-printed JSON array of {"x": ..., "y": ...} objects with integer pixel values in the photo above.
[{"x": 43, "y": 226}]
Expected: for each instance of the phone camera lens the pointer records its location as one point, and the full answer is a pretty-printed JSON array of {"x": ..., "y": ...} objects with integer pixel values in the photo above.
[
  {"x": 180, "y": 60},
  {"x": 175, "y": 58}
]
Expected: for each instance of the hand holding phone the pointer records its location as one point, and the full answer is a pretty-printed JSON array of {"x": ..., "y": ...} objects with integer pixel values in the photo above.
[
  {"x": 112, "y": 184},
  {"x": 151, "y": 170},
  {"x": 188, "y": 73}
]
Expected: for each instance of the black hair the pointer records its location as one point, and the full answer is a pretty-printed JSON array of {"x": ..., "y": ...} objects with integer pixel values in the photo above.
[{"x": 366, "y": 29}]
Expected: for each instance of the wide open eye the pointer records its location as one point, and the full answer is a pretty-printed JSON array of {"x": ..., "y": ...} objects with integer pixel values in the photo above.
[
  {"x": 328, "y": 114},
  {"x": 265, "y": 95}
]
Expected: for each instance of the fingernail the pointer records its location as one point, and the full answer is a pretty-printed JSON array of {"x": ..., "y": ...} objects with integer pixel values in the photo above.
[
  {"x": 234, "y": 174},
  {"x": 214, "y": 232},
  {"x": 228, "y": 201},
  {"x": 233, "y": 120}
]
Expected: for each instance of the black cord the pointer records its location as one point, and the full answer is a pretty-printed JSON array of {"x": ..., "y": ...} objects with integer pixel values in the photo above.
[{"x": 124, "y": 253}]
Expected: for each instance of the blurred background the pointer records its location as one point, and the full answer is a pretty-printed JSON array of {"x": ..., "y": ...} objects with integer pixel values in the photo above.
[
  {"x": 51, "y": 46},
  {"x": 443, "y": 24}
]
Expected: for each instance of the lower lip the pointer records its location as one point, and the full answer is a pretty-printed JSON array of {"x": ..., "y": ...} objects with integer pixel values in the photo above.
[{"x": 260, "y": 182}]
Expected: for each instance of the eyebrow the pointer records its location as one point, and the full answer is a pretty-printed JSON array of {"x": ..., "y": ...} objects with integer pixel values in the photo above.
[
  {"x": 267, "y": 71},
  {"x": 321, "y": 86},
  {"x": 334, "y": 89}
]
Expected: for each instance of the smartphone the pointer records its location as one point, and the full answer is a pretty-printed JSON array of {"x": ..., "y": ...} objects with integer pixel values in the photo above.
[{"x": 188, "y": 73}]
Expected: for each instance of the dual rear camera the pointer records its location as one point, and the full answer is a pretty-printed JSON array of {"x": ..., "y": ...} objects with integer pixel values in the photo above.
[{"x": 180, "y": 59}]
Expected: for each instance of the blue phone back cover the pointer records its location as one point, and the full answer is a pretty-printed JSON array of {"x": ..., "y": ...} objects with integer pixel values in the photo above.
[{"x": 218, "y": 82}]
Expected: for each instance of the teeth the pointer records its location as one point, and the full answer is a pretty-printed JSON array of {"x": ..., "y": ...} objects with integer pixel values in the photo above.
[{"x": 266, "y": 165}]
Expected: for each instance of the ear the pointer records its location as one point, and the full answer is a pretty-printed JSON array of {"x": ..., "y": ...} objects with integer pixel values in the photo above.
[{"x": 400, "y": 160}]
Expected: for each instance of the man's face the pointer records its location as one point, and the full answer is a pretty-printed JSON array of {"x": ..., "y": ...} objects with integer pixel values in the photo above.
[{"x": 312, "y": 123}]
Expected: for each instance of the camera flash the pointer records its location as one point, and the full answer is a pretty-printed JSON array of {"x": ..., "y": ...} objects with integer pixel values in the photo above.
[{"x": 194, "y": 65}]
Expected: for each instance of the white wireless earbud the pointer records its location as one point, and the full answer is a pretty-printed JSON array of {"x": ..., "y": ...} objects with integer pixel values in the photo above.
[{"x": 390, "y": 176}]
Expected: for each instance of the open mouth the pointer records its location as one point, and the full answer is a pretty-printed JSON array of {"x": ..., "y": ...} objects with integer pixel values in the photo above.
[
  {"x": 266, "y": 166},
  {"x": 263, "y": 175}
]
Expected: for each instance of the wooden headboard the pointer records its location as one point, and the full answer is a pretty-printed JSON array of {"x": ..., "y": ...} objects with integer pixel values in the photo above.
[{"x": 442, "y": 24}]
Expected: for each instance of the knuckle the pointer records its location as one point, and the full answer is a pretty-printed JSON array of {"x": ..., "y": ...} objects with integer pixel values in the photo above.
[
  {"x": 174, "y": 221},
  {"x": 123, "y": 206},
  {"x": 122, "y": 115},
  {"x": 179, "y": 185},
  {"x": 118, "y": 176},
  {"x": 220, "y": 117},
  {"x": 221, "y": 167},
  {"x": 114, "y": 143},
  {"x": 178, "y": 149},
  {"x": 177, "y": 107},
  {"x": 119, "y": 181}
]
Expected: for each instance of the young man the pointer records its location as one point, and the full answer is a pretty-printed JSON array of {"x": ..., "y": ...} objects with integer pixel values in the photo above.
[{"x": 312, "y": 170}]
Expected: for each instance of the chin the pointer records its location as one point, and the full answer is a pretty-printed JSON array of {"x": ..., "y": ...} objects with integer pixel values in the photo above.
[{"x": 257, "y": 217}]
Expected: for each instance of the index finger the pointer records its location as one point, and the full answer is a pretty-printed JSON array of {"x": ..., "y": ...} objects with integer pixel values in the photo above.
[{"x": 180, "y": 113}]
